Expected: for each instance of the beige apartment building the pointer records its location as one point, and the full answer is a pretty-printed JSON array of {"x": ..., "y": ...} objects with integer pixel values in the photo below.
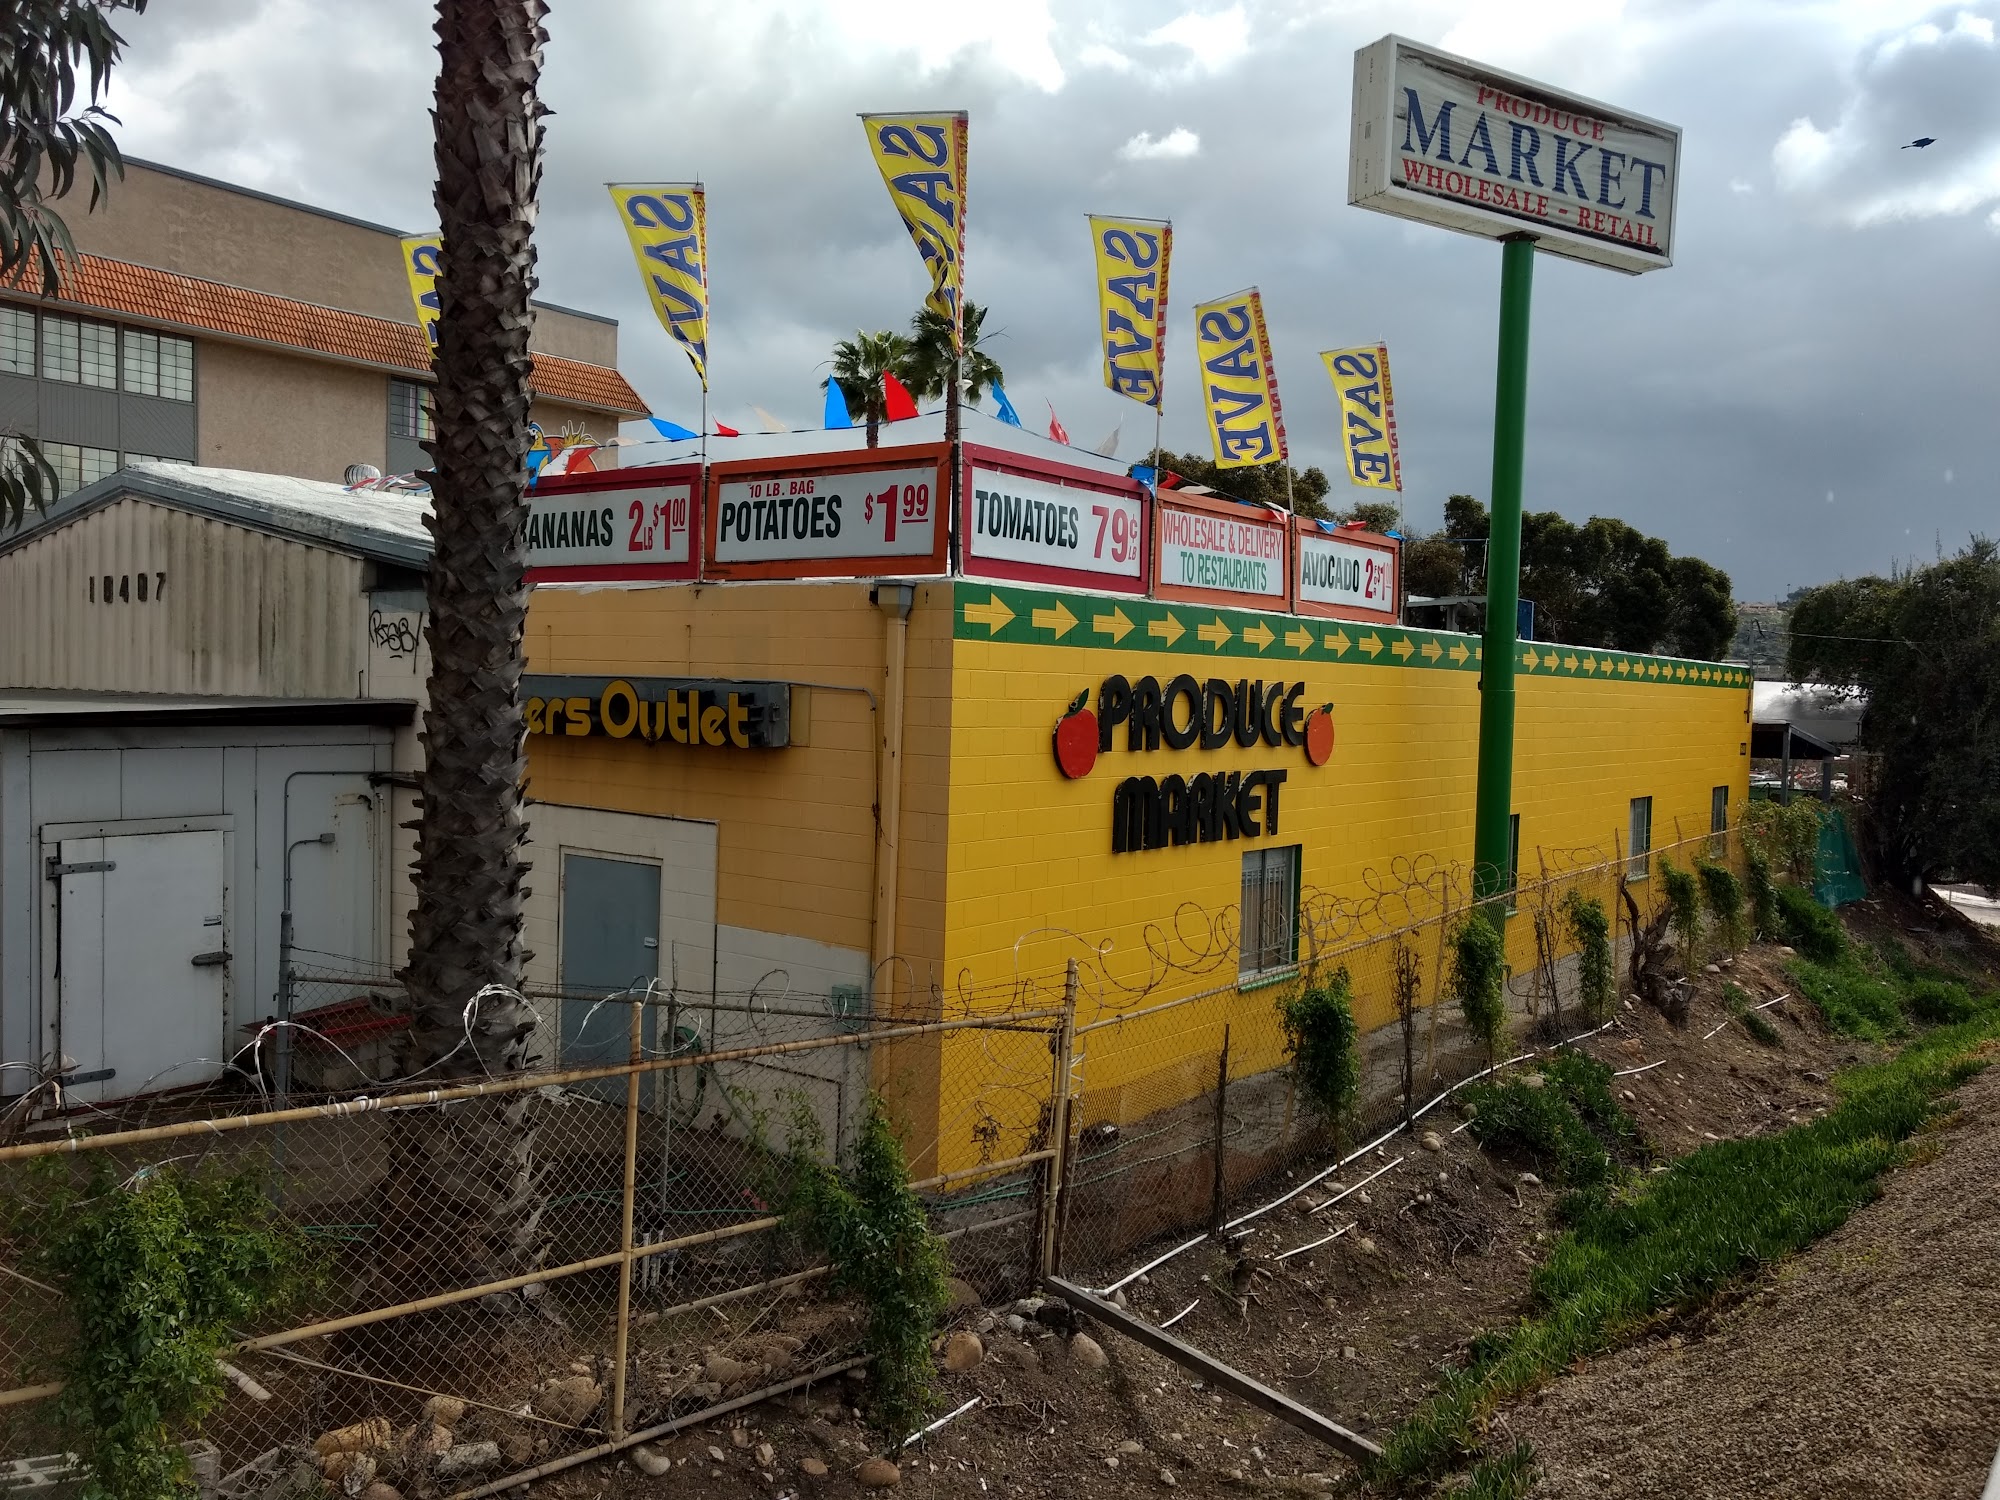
[{"x": 214, "y": 325}]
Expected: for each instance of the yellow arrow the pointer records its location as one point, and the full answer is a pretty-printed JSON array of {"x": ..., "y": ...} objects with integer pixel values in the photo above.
[
  {"x": 1459, "y": 653},
  {"x": 1114, "y": 624},
  {"x": 1432, "y": 650},
  {"x": 1569, "y": 662},
  {"x": 1479, "y": 653},
  {"x": 1260, "y": 633},
  {"x": 1590, "y": 664},
  {"x": 1058, "y": 619},
  {"x": 1299, "y": 639},
  {"x": 1371, "y": 643},
  {"x": 1338, "y": 643},
  {"x": 1167, "y": 628},
  {"x": 1652, "y": 669},
  {"x": 1531, "y": 658},
  {"x": 1680, "y": 674},
  {"x": 1704, "y": 674},
  {"x": 994, "y": 615},
  {"x": 1215, "y": 633},
  {"x": 1402, "y": 648},
  {"x": 1623, "y": 666}
]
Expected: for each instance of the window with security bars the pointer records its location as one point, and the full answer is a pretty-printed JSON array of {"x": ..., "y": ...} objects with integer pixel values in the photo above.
[
  {"x": 158, "y": 364},
  {"x": 1640, "y": 864},
  {"x": 410, "y": 410},
  {"x": 77, "y": 465},
  {"x": 17, "y": 341},
  {"x": 1270, "y": 925},
  {"x": 80, "y": 353}
]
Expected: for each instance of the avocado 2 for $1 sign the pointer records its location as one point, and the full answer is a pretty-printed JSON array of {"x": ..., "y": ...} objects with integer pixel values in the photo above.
[{"x": 882, "y": 513}]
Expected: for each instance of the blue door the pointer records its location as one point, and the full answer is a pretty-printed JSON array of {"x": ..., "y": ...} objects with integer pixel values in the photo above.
[{"x": 610, "y": 946}]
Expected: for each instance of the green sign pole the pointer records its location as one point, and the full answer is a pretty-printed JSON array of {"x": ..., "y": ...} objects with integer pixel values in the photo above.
[{"x": 1492, "y": 815}]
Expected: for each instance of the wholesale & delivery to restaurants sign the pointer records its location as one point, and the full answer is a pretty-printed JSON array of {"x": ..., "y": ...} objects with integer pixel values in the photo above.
[{"x": 1200, "y": 549}]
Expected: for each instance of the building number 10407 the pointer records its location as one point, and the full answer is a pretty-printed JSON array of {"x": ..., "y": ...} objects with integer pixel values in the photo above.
[{"x": 910, "y": 502}]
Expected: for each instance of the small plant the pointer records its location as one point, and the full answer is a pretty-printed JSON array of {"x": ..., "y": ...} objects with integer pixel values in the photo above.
[
  {"x": 1590, "y": 930},
  {"x": 873, "y": 1231},
  {"x": 1549, "y": 1117},
  {"x": 1761, "y": 1029},
  {"x": 1479, "y": 980},
  {"x": 1684, "y": 910},
  {"x": 1722, "y": 894},
  {"x": 1319, "y": 1039},
  {"x": 1763, "y": 893},
  {"x": 1408, "y": 981},
  {"x": 1505, "y": 1476},
  {"x": 160, "y": 1271},
  {"x": 1809, "y": 927}
]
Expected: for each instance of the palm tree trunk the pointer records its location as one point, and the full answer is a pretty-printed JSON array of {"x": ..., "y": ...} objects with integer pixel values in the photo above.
[
  {"x": 470, "y": 1179},
  {"x": 874, "y": 430}
]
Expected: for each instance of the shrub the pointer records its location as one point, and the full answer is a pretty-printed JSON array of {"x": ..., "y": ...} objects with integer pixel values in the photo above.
[
  {"x": 1590, "y": 930},
  {"x": 1684, "y": 910},
  {"x": 1940, "y": 1002},
  {"x": 873, "y": 1231},
  {"x": 1548, "y": 1117},
  {"x": 1785, "y": 836},
  {"x": 161, "y": 1271},
  {"x": 1809, "y": 927},
  {"x": 1586, "y": 1083},
  {"x": 1479, "y": 979},
  {"x": 1763, "y": 893},
  {"x": 1319, "y": 1039},
  {"x": 1722, "y": 894}
]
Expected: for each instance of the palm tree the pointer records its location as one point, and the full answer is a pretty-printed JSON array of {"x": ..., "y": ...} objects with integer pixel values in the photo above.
[
  {"x": 46, "y": 138},
  {"x": 472, "y": 1178},
  {"x": 929, "y": 363},
  {"x": 859, "y": 364}
]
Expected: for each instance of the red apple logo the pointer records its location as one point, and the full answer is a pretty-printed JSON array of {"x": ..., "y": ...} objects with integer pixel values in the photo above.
[
  {"x": 1319, "y": 735},
  {"x": 1076, "y": 738}
]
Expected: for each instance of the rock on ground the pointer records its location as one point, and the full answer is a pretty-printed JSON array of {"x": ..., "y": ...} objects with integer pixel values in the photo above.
[
  {"x": 962, "y": 1352},
  {"x": 877, "y": 1474}
]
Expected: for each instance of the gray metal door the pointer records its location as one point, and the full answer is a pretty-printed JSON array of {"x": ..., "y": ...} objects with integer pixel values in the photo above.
[{"x": 610, "y": 945}]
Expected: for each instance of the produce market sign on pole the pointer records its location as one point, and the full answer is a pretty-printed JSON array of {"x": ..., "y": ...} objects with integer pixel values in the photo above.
[{"x": 1450, "y": 142}]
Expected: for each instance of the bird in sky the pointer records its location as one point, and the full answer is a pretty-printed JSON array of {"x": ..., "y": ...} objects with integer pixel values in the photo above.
[{"x": 1921, "y": 141}]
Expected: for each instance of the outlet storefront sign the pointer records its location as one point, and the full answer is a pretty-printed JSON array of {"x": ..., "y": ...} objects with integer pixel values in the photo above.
[
  {"x": 1202, "y": 805},
  {"x": 661, "y": 710}
]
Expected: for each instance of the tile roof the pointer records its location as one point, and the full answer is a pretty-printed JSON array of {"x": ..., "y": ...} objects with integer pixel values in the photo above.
[{"x": 117, "y": 286}]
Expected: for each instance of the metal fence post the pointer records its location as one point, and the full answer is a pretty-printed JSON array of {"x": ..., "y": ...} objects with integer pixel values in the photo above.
[
  {"x": 1220, "y": 1198},
  {"x": 1058, "y": 1165},
  {"x": 618, "y": 1356}
]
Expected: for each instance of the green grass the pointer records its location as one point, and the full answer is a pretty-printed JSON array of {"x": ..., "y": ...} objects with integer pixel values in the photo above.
[
  {"x": 1678, "y": 1238},
  {"x": 1506, "y": 1476},
  {"x": 1853, "y": 998},
  {"x": 1809, "y": 927},
  {"x": 1761, "y": 1029}
]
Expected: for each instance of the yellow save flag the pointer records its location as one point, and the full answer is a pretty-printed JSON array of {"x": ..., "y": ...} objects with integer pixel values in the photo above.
[
  {"x": 1246, "y": 423},
  {"x": 420, "y": 266},
  {"x": 1132, "y": 256},
  {"x": 667, "y": 223},
  {"x": 922, "y": 161},
  {"x": 1367, "y": 415}
]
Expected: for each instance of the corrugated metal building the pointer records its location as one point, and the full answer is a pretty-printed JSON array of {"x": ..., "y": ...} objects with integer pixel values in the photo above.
[{"x": 208, "y": 693}]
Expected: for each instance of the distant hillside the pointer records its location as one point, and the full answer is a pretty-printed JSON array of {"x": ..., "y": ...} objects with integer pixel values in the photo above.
[{"x": 1761, "y": 638}]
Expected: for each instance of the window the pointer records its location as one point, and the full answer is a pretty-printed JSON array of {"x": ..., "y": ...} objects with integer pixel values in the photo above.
[
  {"x": 154, "y": 458},
  {"x": 17, "y": 341},
  {"x": 80, "y": 353},
  {"x": 1641, "y": 862},
  {"x": 159, "y": 365},
  {"x": 1270, "y": 937},
  {"x": 77, "y": 466},
  {"x": 410, "y": 410},
  {"x": 1718, "y": 822}
]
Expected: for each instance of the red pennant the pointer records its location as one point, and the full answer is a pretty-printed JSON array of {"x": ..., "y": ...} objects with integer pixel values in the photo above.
[
  {"x": 721, "y": 431},
  {"x": 897, "y": 404},
  {"x": 1056, "y": 427}
]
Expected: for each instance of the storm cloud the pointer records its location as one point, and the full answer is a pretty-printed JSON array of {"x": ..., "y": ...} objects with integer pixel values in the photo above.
[{"x": 1806, "y": 393}]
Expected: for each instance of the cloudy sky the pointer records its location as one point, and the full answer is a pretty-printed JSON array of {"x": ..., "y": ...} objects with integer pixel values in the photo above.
[{"x": 1809, "y": 392}]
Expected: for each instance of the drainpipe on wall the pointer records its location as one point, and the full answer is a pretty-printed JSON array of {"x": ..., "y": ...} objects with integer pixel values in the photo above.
[{"x": 894, "y": 600}]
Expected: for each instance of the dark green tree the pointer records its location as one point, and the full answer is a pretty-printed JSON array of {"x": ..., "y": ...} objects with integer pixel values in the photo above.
[
  {"x": 1260, "y": 484},
  {"x": 1433, "y": 568},
  {"x": 1375, "y": 515},
  {"x": 1925, "y": 647},
  {"x": 48, "y": 48}
]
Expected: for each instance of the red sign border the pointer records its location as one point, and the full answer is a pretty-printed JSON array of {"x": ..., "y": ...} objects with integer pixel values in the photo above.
[
  {"x": 606, "y": 481},
  {"x": 1254, "y": 515},
  {"x": 1373, "y": 540},
  {"x": 933, "y": 563},
  {"x": 1073, "y": 477}
]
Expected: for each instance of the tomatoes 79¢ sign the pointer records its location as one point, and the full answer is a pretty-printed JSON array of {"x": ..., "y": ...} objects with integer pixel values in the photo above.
[{"x": 827, "y": 522}]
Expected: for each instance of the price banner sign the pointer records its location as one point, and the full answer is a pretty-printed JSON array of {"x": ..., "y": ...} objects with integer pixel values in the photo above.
[
  {"x": 1351, "y": 576},
  {"x": 621, "y": 524},
  {"x": 1215, "y": 550},
  {"x": 1084, "y": 529},
  {"x": 827, "y": 522}
]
